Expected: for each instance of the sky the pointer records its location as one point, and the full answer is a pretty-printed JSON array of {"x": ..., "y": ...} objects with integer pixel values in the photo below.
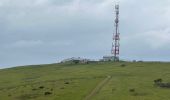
[{"x": 47, "y": 31}]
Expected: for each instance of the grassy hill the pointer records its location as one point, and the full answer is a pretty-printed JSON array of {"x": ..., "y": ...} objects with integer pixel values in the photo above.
[{"x": 94, "y": 81}]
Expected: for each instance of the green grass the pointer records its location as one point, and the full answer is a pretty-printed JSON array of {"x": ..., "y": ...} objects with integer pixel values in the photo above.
[{"x": 75, "y": 82}]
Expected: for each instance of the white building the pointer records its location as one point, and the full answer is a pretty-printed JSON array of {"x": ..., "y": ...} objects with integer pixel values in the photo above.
[
  {"x": 108, "y": 58},
  {"x": 80, "y": 60}
]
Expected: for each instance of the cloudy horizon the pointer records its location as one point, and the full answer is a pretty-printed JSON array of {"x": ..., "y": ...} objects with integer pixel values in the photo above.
[{"x": 47, "y": 31}]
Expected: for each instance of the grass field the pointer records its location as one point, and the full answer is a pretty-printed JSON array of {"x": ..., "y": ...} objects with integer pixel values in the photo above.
[{"x": 94, "y": 81}]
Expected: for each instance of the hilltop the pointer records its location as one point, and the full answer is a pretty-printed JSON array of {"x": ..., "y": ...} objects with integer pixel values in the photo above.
[{"x": 92, "y": 81}]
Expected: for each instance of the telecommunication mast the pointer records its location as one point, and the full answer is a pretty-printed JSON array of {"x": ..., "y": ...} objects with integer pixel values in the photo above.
[{"x": 116, "y": 36}]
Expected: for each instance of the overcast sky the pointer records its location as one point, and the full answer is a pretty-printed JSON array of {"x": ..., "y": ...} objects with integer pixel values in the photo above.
[{"x": 47, "y": 31}]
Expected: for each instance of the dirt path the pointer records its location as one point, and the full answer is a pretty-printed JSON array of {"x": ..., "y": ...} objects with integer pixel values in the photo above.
[{"x": 97, "y": 88}]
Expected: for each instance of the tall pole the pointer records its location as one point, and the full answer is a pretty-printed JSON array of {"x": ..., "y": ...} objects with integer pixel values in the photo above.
[{"x": 116, "y": 38}]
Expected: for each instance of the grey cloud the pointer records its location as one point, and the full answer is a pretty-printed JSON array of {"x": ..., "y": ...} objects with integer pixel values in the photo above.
[{"x": 46, "y": 31}]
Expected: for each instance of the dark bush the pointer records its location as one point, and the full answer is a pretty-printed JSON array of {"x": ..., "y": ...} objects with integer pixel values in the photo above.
[
  {"x": 41, "y": 87},
  {"x": 165, "y": 85},
  {"x": 131, "y": 90},
  {"x": 34, "y": 89},
  {"x": 47, "y": 93},
  {"x": 157, "y": 81},
  {"x": 139, "y": 94},
  {"x": 66, "y": 83},
  {"x": 9, "y": 95},
  {"x": 113, "y": 90},
  {"x": 123, "y": 65}
]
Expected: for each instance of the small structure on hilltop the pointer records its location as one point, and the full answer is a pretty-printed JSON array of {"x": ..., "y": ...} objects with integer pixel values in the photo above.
[
  {"x": 108, "y": 58},
  {"x": 75, "y": 60}
]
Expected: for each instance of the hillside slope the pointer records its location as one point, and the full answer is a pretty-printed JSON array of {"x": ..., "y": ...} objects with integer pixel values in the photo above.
[{"x": 127, "y": 81}]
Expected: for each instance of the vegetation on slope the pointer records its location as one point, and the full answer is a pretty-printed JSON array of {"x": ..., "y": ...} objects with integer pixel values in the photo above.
[{"x": 129, "y": 81}]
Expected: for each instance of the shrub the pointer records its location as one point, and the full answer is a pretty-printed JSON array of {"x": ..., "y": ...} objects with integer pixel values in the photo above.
[
  {"x": 165, "y": 85},
  {"x": 66, "y": 83},
  {"x": 131, "y": 90},
  {"x": 34, "y": 89},
  {"x": 157, "y": 81},
  {"x": 123, "y": 65},
  {"x": 9, "y": 95},
  {"x": 113, "y": 90},
  {"x": 47, "y": 93},
  {"x": 41, "y": 87}
]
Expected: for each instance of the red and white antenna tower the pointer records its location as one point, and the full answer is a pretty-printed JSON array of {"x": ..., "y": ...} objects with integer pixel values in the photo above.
[{"x": 116, "y": 38}]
